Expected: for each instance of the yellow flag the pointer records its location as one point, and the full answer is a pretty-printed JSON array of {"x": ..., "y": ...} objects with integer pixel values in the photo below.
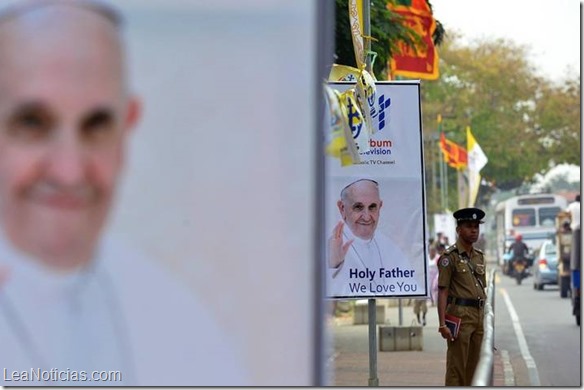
[
  {"x": 343, "y": 73},
  {"x": 366, "y": 93},
  {"x": 338, "y": 139},
  {"x": 357, "y": 124}
]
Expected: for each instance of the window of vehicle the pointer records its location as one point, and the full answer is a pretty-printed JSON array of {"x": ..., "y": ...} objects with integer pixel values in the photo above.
[
  {"x": 536, "y": 200},
  {"x": 547, "y": 215},
  {"x": 550, "y": 249},
  {"x": 523, "y": 217}
]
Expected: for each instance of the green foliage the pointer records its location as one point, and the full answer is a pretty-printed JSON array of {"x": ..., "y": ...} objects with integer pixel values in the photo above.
[
  {"x": 523, "y": 123},
  {"x": 557, "y": 122}
]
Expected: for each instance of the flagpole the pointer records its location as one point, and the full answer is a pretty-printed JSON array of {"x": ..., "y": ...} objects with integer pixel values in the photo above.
[
  {"x": 441, "y": 173},
  {"x": 372, "y": 305},
  {"x": 434, "y": 164},
  {"x": 445, "y": 167},
  {"x": 442, "y": 182},
  {"x": 462, "y": 188}
]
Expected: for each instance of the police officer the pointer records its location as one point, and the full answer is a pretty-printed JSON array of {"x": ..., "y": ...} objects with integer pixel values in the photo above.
[{"x": 461, "y": 284}]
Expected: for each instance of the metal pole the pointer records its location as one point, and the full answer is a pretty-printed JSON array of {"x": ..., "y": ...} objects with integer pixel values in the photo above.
[
  {"x": 446, "y": 202},
  {"x": 373, "y": 379},
  {"x": 460, "y": 188},
  {"x": 463, "y": 189},
  {"x": 367, "y": 33},
  {"x": 400, "y": 311},
  {"x": 434, "y": 162},
  {"x": 442, "y": 197}
]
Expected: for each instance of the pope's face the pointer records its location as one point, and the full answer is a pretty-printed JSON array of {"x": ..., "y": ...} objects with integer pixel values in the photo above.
[
  {"x": 63, "y": 121},
  {"x": 360, "y": 210}
]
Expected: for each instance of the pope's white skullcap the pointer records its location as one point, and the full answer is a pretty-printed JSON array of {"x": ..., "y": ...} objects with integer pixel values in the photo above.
[{"x": 354, "y": 180}]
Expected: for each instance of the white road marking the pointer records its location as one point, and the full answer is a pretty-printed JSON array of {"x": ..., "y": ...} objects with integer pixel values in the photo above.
[
  {"x": 529, "y": 362},
  {"x": 507, "y": 368}
]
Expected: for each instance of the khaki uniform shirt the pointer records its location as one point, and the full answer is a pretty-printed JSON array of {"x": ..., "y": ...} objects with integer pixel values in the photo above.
[{"x": 456, "y": 270}]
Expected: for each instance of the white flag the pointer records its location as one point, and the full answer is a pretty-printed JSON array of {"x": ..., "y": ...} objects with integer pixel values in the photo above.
[{"x": 476, "y": 161}]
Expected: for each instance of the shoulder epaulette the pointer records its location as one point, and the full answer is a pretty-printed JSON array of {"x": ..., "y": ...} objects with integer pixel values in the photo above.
[
  {"x": 480, "y": 251},
  {"x": 450, "y": 249}
]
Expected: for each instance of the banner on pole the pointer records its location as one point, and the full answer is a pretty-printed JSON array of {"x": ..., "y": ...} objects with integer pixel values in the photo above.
[
  {"x": 422, "y": 61},
  {"x": 356, "y": 22},
  {"x": 455, "y": 155},
  {"x": 476, "y": 161},
  {"x": 375, "y": 210}
]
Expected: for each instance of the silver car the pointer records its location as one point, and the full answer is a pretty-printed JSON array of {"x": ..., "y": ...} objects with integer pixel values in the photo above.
[{"x": 545, "y": 266}]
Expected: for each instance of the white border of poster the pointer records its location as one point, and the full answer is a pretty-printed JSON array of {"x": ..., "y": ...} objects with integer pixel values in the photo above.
[{"x": 393, "y": 263}]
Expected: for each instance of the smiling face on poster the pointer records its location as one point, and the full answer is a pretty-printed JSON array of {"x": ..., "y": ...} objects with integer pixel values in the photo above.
[
  {"x": 144, "y": 192},
  {"x": 375, "y": 209}
]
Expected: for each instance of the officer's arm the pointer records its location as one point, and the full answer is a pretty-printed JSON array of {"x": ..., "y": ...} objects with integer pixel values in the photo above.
[
  {"x": 444, "y": 278},
  {"x": 442, "y": 302}
]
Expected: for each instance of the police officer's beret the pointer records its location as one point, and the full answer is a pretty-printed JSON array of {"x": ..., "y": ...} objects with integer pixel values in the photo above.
[{"x": 469, "y": 214}]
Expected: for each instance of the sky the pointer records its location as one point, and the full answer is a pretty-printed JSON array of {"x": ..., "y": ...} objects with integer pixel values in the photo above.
[{"x": 553, "y": 48}]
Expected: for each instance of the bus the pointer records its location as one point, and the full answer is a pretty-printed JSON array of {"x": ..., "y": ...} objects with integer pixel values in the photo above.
[{"x": 531, "y": 215}]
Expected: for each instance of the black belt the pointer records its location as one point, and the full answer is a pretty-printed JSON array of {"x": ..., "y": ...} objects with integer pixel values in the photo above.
[{"x": 467, "y": 302}]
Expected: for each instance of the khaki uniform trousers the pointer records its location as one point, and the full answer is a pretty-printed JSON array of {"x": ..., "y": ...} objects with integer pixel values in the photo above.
[{"x": 464, "y": 352}]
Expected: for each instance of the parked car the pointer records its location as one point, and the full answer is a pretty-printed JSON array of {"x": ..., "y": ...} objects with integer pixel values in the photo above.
[{"x": 545, "y": 266}]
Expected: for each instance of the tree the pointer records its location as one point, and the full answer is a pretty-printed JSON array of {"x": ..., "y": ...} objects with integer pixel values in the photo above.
[
  {"x": 387, "y": 28},
  {"x": 523, "y": 123},
  {"x": 557, "y": 122}
]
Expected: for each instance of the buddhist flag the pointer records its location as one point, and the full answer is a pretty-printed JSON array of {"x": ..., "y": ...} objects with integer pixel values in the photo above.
[
  {"x": 476, "y": 161},
  {"x": 454, "y": 154}
]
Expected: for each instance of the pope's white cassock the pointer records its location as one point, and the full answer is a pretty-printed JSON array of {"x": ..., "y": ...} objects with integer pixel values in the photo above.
[
  {"x": 123, "y": 313},
  {"x": 362, "y": 265}
]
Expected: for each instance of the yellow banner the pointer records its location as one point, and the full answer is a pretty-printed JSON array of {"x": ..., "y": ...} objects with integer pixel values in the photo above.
[
  {"x": 338, "y": 137},
  {"x": 365, "y": 92},
  {"x": 343, "y": 73},
  {"x": 359, "y": 130}
]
